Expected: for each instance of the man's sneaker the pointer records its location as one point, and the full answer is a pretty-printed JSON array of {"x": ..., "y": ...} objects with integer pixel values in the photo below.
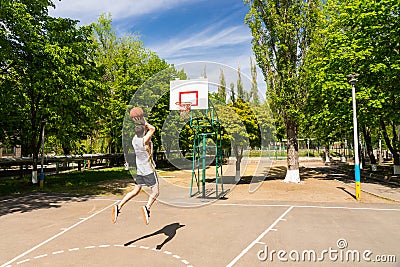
[
  {"x": 114, "y": 213},
  {"x": 146, "y": 214}
]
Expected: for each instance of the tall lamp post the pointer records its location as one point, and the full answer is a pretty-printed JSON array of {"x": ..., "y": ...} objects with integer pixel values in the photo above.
[{"x": 357, "y": 173}]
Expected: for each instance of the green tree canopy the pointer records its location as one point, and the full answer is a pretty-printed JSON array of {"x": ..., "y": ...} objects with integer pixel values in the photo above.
[
  {"x": 356, "y": 37},
  {"x": 127, "y": 65},
  {"x": 48, "y": 74}
]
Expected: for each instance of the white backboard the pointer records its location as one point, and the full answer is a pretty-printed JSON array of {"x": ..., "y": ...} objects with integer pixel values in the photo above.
[{"x": 194, "y": 91}]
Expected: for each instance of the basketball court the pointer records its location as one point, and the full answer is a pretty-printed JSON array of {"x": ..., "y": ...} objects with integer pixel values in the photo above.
[
  {"x": 51, "y": 230},
  {"x": 240, "y": 227}
]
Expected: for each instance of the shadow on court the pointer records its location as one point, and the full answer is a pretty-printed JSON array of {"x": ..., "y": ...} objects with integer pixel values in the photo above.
[
  {"x": 27, "y": 203},
  {"x": 169, "y": 231},
  {"x": 345, "y": 190},
  {"x": 347, "y": 176}
]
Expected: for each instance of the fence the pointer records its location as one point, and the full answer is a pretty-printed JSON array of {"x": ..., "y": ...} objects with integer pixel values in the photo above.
[{"x": 19, "y": 167}]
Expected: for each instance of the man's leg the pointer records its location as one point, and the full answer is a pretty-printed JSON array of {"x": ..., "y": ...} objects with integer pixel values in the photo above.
[
  {"x": 153, "y": 196},
  {"x": 129, "y": 196},
  {"x": 146, "y": 209},
  {"x": 116, "y": 209}
]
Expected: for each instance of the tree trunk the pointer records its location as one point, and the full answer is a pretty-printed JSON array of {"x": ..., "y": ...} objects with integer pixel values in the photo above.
[
  {"x": 292, "y": 174},
  {"x": 393, "y": 150},
  {"x": 239, "y": 156},
  {"x": 342, "y": 152},
  {"x": 367, "y": 138},
  {"x": 34, "y": 169},
  {"x": 35, "y": 151},
  {"x": 327, "y": 155},
  {"x": 396, "y": 150}
]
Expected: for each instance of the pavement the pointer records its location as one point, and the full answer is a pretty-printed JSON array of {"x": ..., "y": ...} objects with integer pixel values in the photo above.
[
  {"x": 386, "y": 191},
  {"x": 315, "y": 223},
  {"x": 385, "y": 186}
]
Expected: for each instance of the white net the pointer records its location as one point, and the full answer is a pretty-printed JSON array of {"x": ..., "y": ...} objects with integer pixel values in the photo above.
[{"x": 184, "y": 108}]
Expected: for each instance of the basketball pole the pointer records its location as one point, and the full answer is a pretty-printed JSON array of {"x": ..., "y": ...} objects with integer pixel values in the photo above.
[
  {"x": 203, "y": 169},
  {"x": 186, "y": 95}
]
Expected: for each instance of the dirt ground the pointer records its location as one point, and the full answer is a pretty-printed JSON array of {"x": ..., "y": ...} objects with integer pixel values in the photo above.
[
  {"x": 315, "y": 186},
  {"x": 319, "y": 183}
]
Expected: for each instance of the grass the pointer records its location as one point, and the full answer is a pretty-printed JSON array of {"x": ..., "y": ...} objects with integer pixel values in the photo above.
[{"x": 88, "y": 182}]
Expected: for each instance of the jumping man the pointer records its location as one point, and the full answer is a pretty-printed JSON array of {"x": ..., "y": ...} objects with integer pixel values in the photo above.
[{"x": 146, "y": 172}]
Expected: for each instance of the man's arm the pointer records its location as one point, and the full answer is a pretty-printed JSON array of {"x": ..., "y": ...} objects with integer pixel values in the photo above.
[{"x": 150, "y": 131}]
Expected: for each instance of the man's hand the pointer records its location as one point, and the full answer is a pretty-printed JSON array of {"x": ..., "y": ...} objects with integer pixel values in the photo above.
[{"x": 141, "y": 120}]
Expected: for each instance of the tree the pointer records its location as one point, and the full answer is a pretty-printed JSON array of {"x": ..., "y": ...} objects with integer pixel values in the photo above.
[
  {"x": 358, "y": 37},
  {"x": 49, "y": 74},
  {"x": 281, "y": 36},
  {"x": 232, "y": 92},
  {"x": 127, "y": 65},
  {"x": 204, "y": 73},
  {"x": 240, "y": 126},
  {"x": 222, "y": 86},
  {"x": 254, "y": 88},
  {"x": 239, "y": 86},
  {"x": 239, "y": 123}
]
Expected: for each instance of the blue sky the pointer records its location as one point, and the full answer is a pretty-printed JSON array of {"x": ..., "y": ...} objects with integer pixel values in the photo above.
[{"x": 179, "y": 31}]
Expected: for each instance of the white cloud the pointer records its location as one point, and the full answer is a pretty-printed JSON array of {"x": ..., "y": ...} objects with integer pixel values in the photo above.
[
  {"x": 229, "y": 45},
  {"x": 208, "y": 46},
  {"x": 87, "y": 11},
  {"x": 205, "y": 39},
  {"x": 212, "y": 39},
  {"x": 220, "y": 42}
]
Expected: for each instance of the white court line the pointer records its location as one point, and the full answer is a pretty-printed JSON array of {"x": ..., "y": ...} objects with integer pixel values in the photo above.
[
  {"x": 40, "y": 256},
  {"x": 257, "y": 240},
  {"x": 186, "y": 262},
  {"x": 55, "y": 236},
  {"x": 195, "y": 205},
  {"x": 113, "y": 200},
  {"x": 306, "y": 206},
  {"x": 348, "y": 208},
  {"x": 20, "y": 262}
]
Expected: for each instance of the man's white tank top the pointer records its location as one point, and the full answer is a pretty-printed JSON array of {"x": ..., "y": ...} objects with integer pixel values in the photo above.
[{"x": 144, "y": 159}]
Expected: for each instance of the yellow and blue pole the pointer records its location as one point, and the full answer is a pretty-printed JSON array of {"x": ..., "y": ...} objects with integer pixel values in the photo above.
[{"x": 357, "y": 172}]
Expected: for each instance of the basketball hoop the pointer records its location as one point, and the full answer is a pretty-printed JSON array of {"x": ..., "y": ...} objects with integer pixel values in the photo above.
[{"x": 184, "y": 108}]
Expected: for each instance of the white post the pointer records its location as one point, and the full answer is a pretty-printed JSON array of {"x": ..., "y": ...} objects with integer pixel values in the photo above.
[
  {"x": 34, "y": 177},
  {"x": 357, "y": 173}
]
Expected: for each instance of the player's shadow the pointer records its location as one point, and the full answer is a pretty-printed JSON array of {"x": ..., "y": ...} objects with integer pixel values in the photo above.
[{"x": 169, "y": 231}]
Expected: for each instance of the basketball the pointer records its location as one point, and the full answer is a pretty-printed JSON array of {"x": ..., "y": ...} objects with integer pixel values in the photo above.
[{"x": 136, "y": 112}]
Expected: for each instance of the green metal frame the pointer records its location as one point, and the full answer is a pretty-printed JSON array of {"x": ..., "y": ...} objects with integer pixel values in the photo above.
[{"x": 205, "y": 127}]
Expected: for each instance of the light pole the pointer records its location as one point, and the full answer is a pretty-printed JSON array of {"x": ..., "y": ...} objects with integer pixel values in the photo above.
[{"x": 357, "y": 174}]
